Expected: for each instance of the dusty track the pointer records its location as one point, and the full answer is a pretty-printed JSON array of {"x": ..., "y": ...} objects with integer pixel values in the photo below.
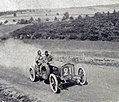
[
  {"x": 103, "y": 81},
  {"x": 103, "y": 86}
]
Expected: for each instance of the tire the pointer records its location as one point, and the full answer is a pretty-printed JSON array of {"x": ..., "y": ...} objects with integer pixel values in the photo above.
[
  {"x": 45, "y": 72},
  {"x": 82, "y": 76},
  {"x": 32, "y": 73},
  {"x": 53, "y": 83}
]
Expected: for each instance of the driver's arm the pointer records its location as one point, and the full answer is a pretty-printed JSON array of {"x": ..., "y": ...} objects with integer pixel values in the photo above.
[
  {"x": 38, "y": 59},
  {"x": 50, "y": 58}
]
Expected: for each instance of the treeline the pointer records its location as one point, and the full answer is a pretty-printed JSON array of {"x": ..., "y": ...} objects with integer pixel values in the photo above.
[
  {"x": 102, "y": 26},
  {"x": 12, "y": 12}
]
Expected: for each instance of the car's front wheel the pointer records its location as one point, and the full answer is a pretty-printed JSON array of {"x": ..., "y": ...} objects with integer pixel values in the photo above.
[
  {"x": 53, "y": 83},
  {"x": 82, "y": 76}
]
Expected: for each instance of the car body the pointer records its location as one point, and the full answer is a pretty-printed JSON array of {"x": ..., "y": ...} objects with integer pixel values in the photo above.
[{"x": 57, "y": 74}]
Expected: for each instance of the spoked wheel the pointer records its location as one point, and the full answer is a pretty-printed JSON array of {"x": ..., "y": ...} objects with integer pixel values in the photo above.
[
  {"x": 53, "y": 83},
  {"x": 32, "y": 73},
  {"x": 45, "y": 71},
  {"x": 82, "y": 76}
]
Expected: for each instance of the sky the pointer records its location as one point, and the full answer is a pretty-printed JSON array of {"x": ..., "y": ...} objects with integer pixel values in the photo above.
[{"x": 37, "y": 4}]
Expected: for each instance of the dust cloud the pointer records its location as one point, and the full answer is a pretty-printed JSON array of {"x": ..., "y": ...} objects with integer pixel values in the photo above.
[{"x": 17, "y": 54}]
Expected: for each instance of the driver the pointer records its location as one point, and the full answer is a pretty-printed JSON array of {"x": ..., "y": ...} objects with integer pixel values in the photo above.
[
  {"x": 48, "y": 58},
  {"x": 39, "y": 58}
]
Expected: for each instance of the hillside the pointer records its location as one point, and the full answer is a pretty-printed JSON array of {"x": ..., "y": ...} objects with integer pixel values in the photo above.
[
  {"x": 74, "y": 11},
  {"x": 102, "y": 26}
]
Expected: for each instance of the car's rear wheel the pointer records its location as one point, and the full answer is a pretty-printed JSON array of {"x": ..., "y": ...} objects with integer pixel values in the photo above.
[
  {"x": 32, "y": 73},
  {"x": 45, "y": 71},
  {"x": 53, "y": 83},
  {"x": 82, "y": 76}
]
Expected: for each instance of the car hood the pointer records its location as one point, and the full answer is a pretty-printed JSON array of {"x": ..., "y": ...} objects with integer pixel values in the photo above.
[{"x": 57, "y": 64}]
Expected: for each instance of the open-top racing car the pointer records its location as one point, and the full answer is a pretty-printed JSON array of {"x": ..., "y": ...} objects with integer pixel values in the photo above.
[{"x": 57, "y": 74}]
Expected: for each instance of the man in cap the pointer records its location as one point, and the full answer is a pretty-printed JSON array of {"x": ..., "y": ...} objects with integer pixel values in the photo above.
[{"x": 48, "y": 58}]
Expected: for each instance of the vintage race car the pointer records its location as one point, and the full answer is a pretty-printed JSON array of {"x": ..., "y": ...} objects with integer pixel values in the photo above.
[{"x": 57, "y": 74}]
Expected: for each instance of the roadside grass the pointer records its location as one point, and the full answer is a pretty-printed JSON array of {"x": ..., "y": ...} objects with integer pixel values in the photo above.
[
  {"x": 89, "y": 52},
  {"x": 9, "y": 94},
  {"x": 5, "y": 29},
  {"x": 89, "y": 60}
]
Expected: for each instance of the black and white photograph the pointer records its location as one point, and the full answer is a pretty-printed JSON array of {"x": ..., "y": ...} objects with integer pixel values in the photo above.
[{"x": 59, "y": 50}]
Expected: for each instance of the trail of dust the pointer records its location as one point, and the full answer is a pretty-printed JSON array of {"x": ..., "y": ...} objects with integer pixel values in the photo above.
[{"x": 17, "y": 54}]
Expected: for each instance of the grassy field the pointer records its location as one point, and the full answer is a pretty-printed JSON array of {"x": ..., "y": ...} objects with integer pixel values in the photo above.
[
  {"x": 90, "y": 52},
  {"x": 51, "y": 13},
  {"x": 9, "y": 94},
  {"x": 5, "y": 29}
]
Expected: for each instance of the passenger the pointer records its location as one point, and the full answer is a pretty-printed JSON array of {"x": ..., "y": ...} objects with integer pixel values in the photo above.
[{"x": 39, "y": 58}]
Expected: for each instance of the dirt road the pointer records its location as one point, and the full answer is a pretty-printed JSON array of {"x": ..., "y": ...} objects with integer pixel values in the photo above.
[
  {"x": 103, "y": 86},
  {"x": 103, "y": 81}
]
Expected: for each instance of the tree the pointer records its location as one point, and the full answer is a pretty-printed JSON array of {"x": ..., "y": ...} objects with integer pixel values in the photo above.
[
  {"x": 47, "y": 19},
  {"x": 114, "y": 12},
  {"x": 87, "y": 17},
  {"x": 79, "y": 17},
  {"x": 39, "y": 19},
  {"x": 55, "y": 19},
  {"x": 108, "y": 13},
  {"x": 14, "y": 20},
  {"x": 97, "y": 15},
  {"x": 15, "y": 14},
  {"x": 31, "y": 19},
  {"x": 6, "y": 21},
  {"x": 57, "y": 14},
  {"x": 66, "y": 16},
  {"x": 71, "y": 18}
]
